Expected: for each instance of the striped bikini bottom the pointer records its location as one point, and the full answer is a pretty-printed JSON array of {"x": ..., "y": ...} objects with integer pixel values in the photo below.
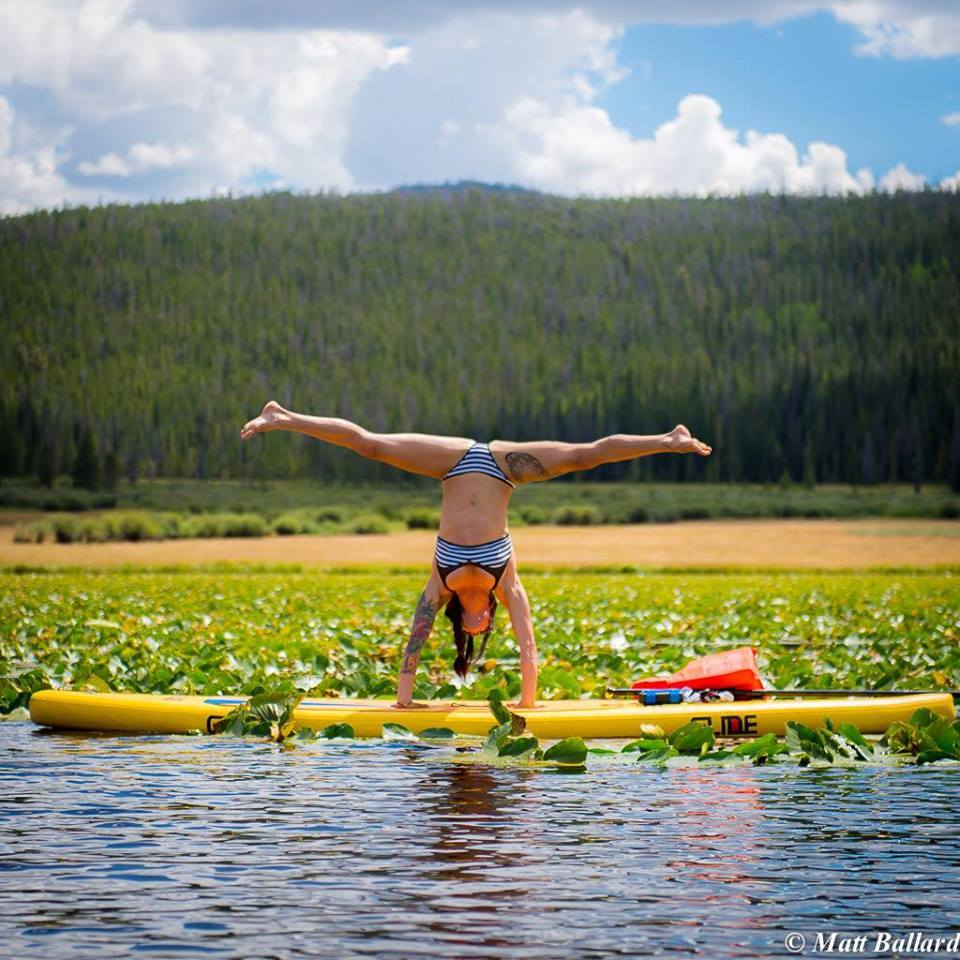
[{"x": 491, "y": 556}]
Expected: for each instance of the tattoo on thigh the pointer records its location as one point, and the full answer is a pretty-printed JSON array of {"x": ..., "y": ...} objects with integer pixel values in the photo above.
[
  {"x": 422, "y": 625},
  {"x": 523, "y": 466}
]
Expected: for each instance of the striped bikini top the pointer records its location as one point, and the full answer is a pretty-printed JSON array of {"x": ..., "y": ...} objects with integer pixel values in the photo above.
[{"x": 478, "y": 459}]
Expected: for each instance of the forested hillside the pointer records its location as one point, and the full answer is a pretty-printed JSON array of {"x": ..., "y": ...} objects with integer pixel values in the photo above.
[{"x": 816, "y": 336}]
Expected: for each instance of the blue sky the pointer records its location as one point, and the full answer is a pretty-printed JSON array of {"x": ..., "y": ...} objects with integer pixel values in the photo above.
[
  {"x": 132, "y": 100},
  {"x": 801, "y": 77}
]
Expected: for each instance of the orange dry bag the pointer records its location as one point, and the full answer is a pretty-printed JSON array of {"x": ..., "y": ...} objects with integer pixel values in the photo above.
[{"x": 730, "y": 670}]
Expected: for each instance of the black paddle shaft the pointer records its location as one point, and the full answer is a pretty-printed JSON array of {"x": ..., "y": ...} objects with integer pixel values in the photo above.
[{"x": 760, "y": 694}]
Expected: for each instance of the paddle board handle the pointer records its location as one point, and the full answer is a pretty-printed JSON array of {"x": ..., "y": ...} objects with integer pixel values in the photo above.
[{"x": 651, "y": 698}]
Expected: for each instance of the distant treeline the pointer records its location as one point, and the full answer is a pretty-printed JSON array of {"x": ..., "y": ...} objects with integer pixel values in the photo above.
[{"x": 815, "y": 339}]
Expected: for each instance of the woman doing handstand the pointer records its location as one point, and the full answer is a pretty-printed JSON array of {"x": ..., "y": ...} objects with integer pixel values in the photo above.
[{"x": 473, "y": 564}]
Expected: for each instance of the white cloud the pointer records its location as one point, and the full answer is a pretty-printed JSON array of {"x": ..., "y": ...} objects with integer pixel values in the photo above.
[
  {"x": 248, "y": 102},
  {"x": 951, "y": 119},
  {"x": 466, "y": 72},
  {"x": 900, "y": 178},
  {"x": 577, "y": 149},
  {"x": 903, "y": 28},
  {"x": 190, "y": 98},
  {"x": 29, "y": 174},
  {"x": 98, "y": 62},
  {"x": 899, "y": 28},
  {"x": 140, "y": 158},
  {"x": 6, "y": 124},
  {"x": 952, "y": 182}
]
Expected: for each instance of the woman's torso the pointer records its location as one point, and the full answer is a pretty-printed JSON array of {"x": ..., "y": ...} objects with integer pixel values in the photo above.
[{"x": 474, "y": 508}]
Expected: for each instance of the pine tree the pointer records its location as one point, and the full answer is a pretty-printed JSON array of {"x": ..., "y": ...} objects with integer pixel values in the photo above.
[
  {"x": 46, "y": 465},
  {"x": 111, "y": 471},
  {"x": 86, "y": 467},
  {"x": 809, "y": 469},
  {"x": 953, "y": 460}
]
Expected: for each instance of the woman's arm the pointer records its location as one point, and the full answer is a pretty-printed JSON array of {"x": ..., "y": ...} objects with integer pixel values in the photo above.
[
  {"x": 514, "y": 597},
  {"x": 430, "y": 601}
]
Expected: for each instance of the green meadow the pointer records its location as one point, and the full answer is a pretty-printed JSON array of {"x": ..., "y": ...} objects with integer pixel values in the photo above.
[{"x": 190, "y": 508}]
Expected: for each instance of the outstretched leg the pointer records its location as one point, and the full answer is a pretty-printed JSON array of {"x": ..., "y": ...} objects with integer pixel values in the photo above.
[
  {"x": 545, "y": 459},
  {"x": 421, "y": 453}
]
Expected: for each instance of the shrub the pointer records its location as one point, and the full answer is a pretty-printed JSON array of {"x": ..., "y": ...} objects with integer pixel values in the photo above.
[
  {"x": 37, "y": 532},
  {"x": 93, "y": 530},
  {"x": 226, "y": 525},
  {"x": 245, "y": 525},
  {"x": 288, "y": 523},
  {"x": 66, "y": 529},
  {"x": 422, "y": 518},
  {"x": 133, "y": 525},
  {"x": 387, "y": 508},
  {"x": 172, "y": 524},
  {"x": 369, "y": 523},
  {"x": 533, "y": 515},
  {"x": 577, "y": 515},
  {"x": 302, "y": 522}
]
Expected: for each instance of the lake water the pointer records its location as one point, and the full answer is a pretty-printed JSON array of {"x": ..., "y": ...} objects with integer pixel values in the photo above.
[{"x": 189, "y": 847}]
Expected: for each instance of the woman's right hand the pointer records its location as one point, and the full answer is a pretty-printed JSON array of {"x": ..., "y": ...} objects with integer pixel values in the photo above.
[{"x": 272, "y": 417}]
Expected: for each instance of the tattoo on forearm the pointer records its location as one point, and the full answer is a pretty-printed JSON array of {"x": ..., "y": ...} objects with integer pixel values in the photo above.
[
  {"x": 523, "y": 466},
  {"x": 422, "y": 625}
]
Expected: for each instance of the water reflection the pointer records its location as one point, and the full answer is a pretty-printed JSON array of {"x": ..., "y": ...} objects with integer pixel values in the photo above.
[{"x": 177, "y": 846}]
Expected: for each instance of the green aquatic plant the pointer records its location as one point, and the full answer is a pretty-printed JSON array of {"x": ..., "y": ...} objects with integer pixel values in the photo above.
[
  {"x": 926, "y": 736},
  {"x": 437, "y": 733},
  {"x": 505, "y": 740},
  {"x": 396, "y": 731},
  {"x": 569, "y": 752},
  {"x": 268, "y": 715},
  {"x": 342, "y": 634},
  {"x": 693, "y": 738},
  {"x": 334, "y": 731},
  {"x": 327, "y": 634},
  {"x": 826, "y": 743}
]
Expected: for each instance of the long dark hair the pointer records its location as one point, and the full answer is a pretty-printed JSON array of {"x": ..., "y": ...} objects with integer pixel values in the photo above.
[{"x": 464, "y": 640}]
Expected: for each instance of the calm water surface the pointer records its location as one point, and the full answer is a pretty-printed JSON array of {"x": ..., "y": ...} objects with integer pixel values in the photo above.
[{"x": 182, "y": 847}]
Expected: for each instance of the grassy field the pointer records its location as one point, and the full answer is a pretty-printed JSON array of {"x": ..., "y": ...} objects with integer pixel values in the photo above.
[{"x": 575, "y": 501}]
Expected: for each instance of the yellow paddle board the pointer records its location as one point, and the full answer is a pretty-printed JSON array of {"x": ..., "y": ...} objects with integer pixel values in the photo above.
[{"x": 550, "y": 719}]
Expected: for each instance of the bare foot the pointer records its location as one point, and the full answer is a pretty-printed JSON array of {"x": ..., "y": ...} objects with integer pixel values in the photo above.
[
  {"x": 272, "y": 417},
  {"x": 678, "y": 440},
  {"x": 412, "y": 705},
  {"x": 522, "y": 706}
]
